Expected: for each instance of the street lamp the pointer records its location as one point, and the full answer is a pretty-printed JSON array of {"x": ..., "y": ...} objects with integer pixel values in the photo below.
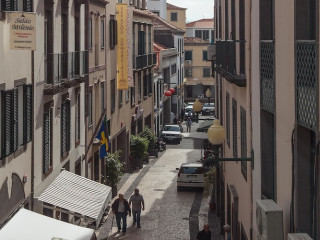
[
  {"x": 216, "y": 136},
  {"x": 208, "y": 94},
  {"x": 197, "y": 107}
]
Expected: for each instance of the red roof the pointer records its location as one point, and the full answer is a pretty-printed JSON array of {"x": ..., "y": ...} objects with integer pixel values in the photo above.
[
  {"x": 162, "y": 25},
  {"x": 202, "y": 23},
  {"x": 173, "y": 7}
]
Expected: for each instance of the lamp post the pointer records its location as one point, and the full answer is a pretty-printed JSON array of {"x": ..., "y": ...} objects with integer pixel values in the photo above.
[
  {"x": 197, "y": 107},
  {"x": 216, "y": 136},
  {"x": 208, "y": 94}
]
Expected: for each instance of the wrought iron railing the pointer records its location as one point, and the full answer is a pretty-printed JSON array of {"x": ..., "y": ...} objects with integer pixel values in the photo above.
[
  {"x": 150, "y": 59},
  {"x": 226, "y": 56},
  {"x": 307, "y": 83},
  {"x": 55, "y": 68},
  {"x": 73, "y": 65},
  {"x": 267, "y": 75},
  {"x": 139, "y": 62},
  {"x": 145, "y": 60}
]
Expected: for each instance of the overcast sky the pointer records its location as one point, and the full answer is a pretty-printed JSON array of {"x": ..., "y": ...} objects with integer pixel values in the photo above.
[{"x": 196, "y": 9}]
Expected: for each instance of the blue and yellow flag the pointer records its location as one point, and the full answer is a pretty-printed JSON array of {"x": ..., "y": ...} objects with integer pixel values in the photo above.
[{"x": 103, "y": 137}]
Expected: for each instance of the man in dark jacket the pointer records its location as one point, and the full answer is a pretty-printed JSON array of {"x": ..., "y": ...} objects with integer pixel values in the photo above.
[
  {"x": 204, "y": 234},
  {"x": 121, "y": 209}
]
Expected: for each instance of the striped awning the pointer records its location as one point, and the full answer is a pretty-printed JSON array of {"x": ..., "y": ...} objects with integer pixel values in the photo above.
[{"x": 78, "y": 194}]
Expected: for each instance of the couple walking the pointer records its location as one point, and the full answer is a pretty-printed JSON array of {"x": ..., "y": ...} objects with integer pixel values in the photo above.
[{"x": 121, "y": 208}]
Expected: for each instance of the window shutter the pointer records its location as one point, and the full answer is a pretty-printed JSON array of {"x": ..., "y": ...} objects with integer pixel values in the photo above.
[
  {"x": 68, "y": 126},
  {"x": 27, "y": 5},
  {"x": 63, "y": 129},
  {"x": 27, "y": 116},
  {"x": 15, "y": 119},
  {"x": 115, "y": 32},
  {"x": 46, "y": 141},
  {"x": 7, "y": 122},
  {"x": 9, "y": 5}
]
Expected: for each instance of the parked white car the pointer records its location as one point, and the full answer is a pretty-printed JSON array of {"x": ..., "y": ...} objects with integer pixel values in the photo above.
[
  {"x": 190, "y": 175},
  {"x": 208, "y": 109},
  {"x": 171, "y": 133}
]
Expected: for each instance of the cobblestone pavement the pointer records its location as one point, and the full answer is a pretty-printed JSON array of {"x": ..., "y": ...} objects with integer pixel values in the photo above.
[{"x": 169, "y": 214}]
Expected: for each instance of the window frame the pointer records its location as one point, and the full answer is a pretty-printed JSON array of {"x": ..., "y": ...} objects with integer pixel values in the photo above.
[
  {"x": 206, "y": 72},
  {"x": 186, "y": 57},
  {"x": 77, "y": 116},
  {"x": 174, "y": 17},
  {"x": 204, "y": 55},
  {"x": 65, "y": 106},
  {"x": 113, "y": 32},
  {"x": 234, "y": 128},
  {"x": 90, "y": 115},
  {"x": 102, "y": 33}
]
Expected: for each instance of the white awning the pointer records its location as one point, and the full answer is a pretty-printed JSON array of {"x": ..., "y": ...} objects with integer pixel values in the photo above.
[
  {"x": 78, "y": 194},
  {"x": 26, "y": 224}
]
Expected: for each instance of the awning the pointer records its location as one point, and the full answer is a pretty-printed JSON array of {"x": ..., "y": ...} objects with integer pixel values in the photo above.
[
  {"x": 204, "y": 126},
  {"x": 26, "y": 224},
  {"x": 78, "y": 194}
]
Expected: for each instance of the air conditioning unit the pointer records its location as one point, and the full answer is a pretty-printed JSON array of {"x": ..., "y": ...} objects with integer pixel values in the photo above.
[
  {"x": 298, "y": 236},
  {"x": 269, "y": 220}
]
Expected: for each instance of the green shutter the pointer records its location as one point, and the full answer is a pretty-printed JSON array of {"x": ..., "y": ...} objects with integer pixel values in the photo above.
[
  {"x": 46, "y": 141},
  {"x": 27, "y": 113},
  {"x": 15, "y": 119},
  {"x": 27, "y": 5},
  {"x": 7, "y": 123},
  {"x": 68, "y": 125}
]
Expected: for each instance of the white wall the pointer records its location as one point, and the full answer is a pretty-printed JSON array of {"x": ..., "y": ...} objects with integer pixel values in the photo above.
[{"x": 159, "y": 6}]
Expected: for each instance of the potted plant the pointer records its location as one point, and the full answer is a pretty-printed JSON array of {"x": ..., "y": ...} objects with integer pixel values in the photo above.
[
  {"x": 152, "y": 139},
  {"x": 114, "y": 171},
  {"x": 209, "y": 187},
  {"x": 138, "y": 150}
]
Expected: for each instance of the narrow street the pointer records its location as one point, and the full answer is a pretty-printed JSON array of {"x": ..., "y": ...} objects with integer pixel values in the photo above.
[{"x": 168, "y": 214}]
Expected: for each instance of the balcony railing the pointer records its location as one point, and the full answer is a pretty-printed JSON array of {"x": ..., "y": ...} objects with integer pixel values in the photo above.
[
  {"x": 64, "y": 69},
  {"x": 144, "y": 61},
  {"x": 227, "y": 54},
  {"x": 267, "y": 75},
  {"x": 307, "y": 83}
]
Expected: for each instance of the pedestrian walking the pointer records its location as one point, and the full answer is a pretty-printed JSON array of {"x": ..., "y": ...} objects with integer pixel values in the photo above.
[
  {"x": 137, "y": 204},
  {"x": 204, "y": 234},
  {"x": 121, "y": 209},
  {"x": 227, "y": 230},
  {"x": 189, "y": 123}
]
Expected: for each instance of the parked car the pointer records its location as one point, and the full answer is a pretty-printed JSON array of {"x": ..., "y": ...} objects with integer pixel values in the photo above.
[
  {"x": 190, "y": 175},
  {"x": 171, "y": 133},
  {"x": 208, "y": 109}
]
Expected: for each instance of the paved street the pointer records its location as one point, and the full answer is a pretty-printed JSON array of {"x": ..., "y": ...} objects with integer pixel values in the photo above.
[{"x": 168, "y": 214}]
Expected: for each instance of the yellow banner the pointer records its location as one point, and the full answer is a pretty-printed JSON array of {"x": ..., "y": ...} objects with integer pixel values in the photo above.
[
  {"x": 23, "y": 31},
  {"x": 122, "y": 49}
]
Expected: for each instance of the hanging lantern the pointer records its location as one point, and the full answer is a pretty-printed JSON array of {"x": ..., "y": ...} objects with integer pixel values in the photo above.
[
  {"x": 167, "y": 93},
  {"x": 172, "y": 90}
]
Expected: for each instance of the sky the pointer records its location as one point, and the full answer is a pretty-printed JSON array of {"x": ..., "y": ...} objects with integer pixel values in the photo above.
[{"x": 196, "y": 9}]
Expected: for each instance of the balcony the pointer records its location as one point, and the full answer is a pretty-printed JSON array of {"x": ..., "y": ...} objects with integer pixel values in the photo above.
[
  {"x": 64, "y": 70},
  {"x": 144, "y": 61},
  {"x": 230, "y": 61},
  {"x": 307, "y": 84},
  {"x": 267, "y": 75}
]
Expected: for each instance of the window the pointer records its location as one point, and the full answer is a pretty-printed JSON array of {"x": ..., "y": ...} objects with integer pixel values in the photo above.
[
  {"x": 133, "y": 99},
  {"x": 90, "y": 107},
  {"x": 174, "y": 17},
  {"x": 149, "y": 39},
  {"x": 188, "y": 55},
  {"x": 206, "y": 72},
  {"x": 145, "y": 85},
  {"x": 113, "y": 96},
  {"x": 198, "y": 34},
  {"x": 150, "y": 81},
  {"x": 139, "y": 86},
  {"x": 17, "y": 5},
  {"x": 77, "y": 116},
  {"x": 127, "y": 95},
  {"x": 113, "y": 32},
  {"x": 102, "y": 33},
  {"x": 16, "y": 118},
  {"x": 204, "y": 55},
  {"x": 120, "y": 97},
  {"x": 228, "y": 118},
  {"x": 243, "y": 141},
  {"x": 90, "y": 32},
  {"x": 102, "y": 97},
  {"x": 47, "y": 138},
  {"x": 234, "y": 128},
  {"x": 65, "y": 126},
  {"x": 188, "y": 72},
  {"x": 173, "y": 69},
  {"x": 141, "y": 43}
]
